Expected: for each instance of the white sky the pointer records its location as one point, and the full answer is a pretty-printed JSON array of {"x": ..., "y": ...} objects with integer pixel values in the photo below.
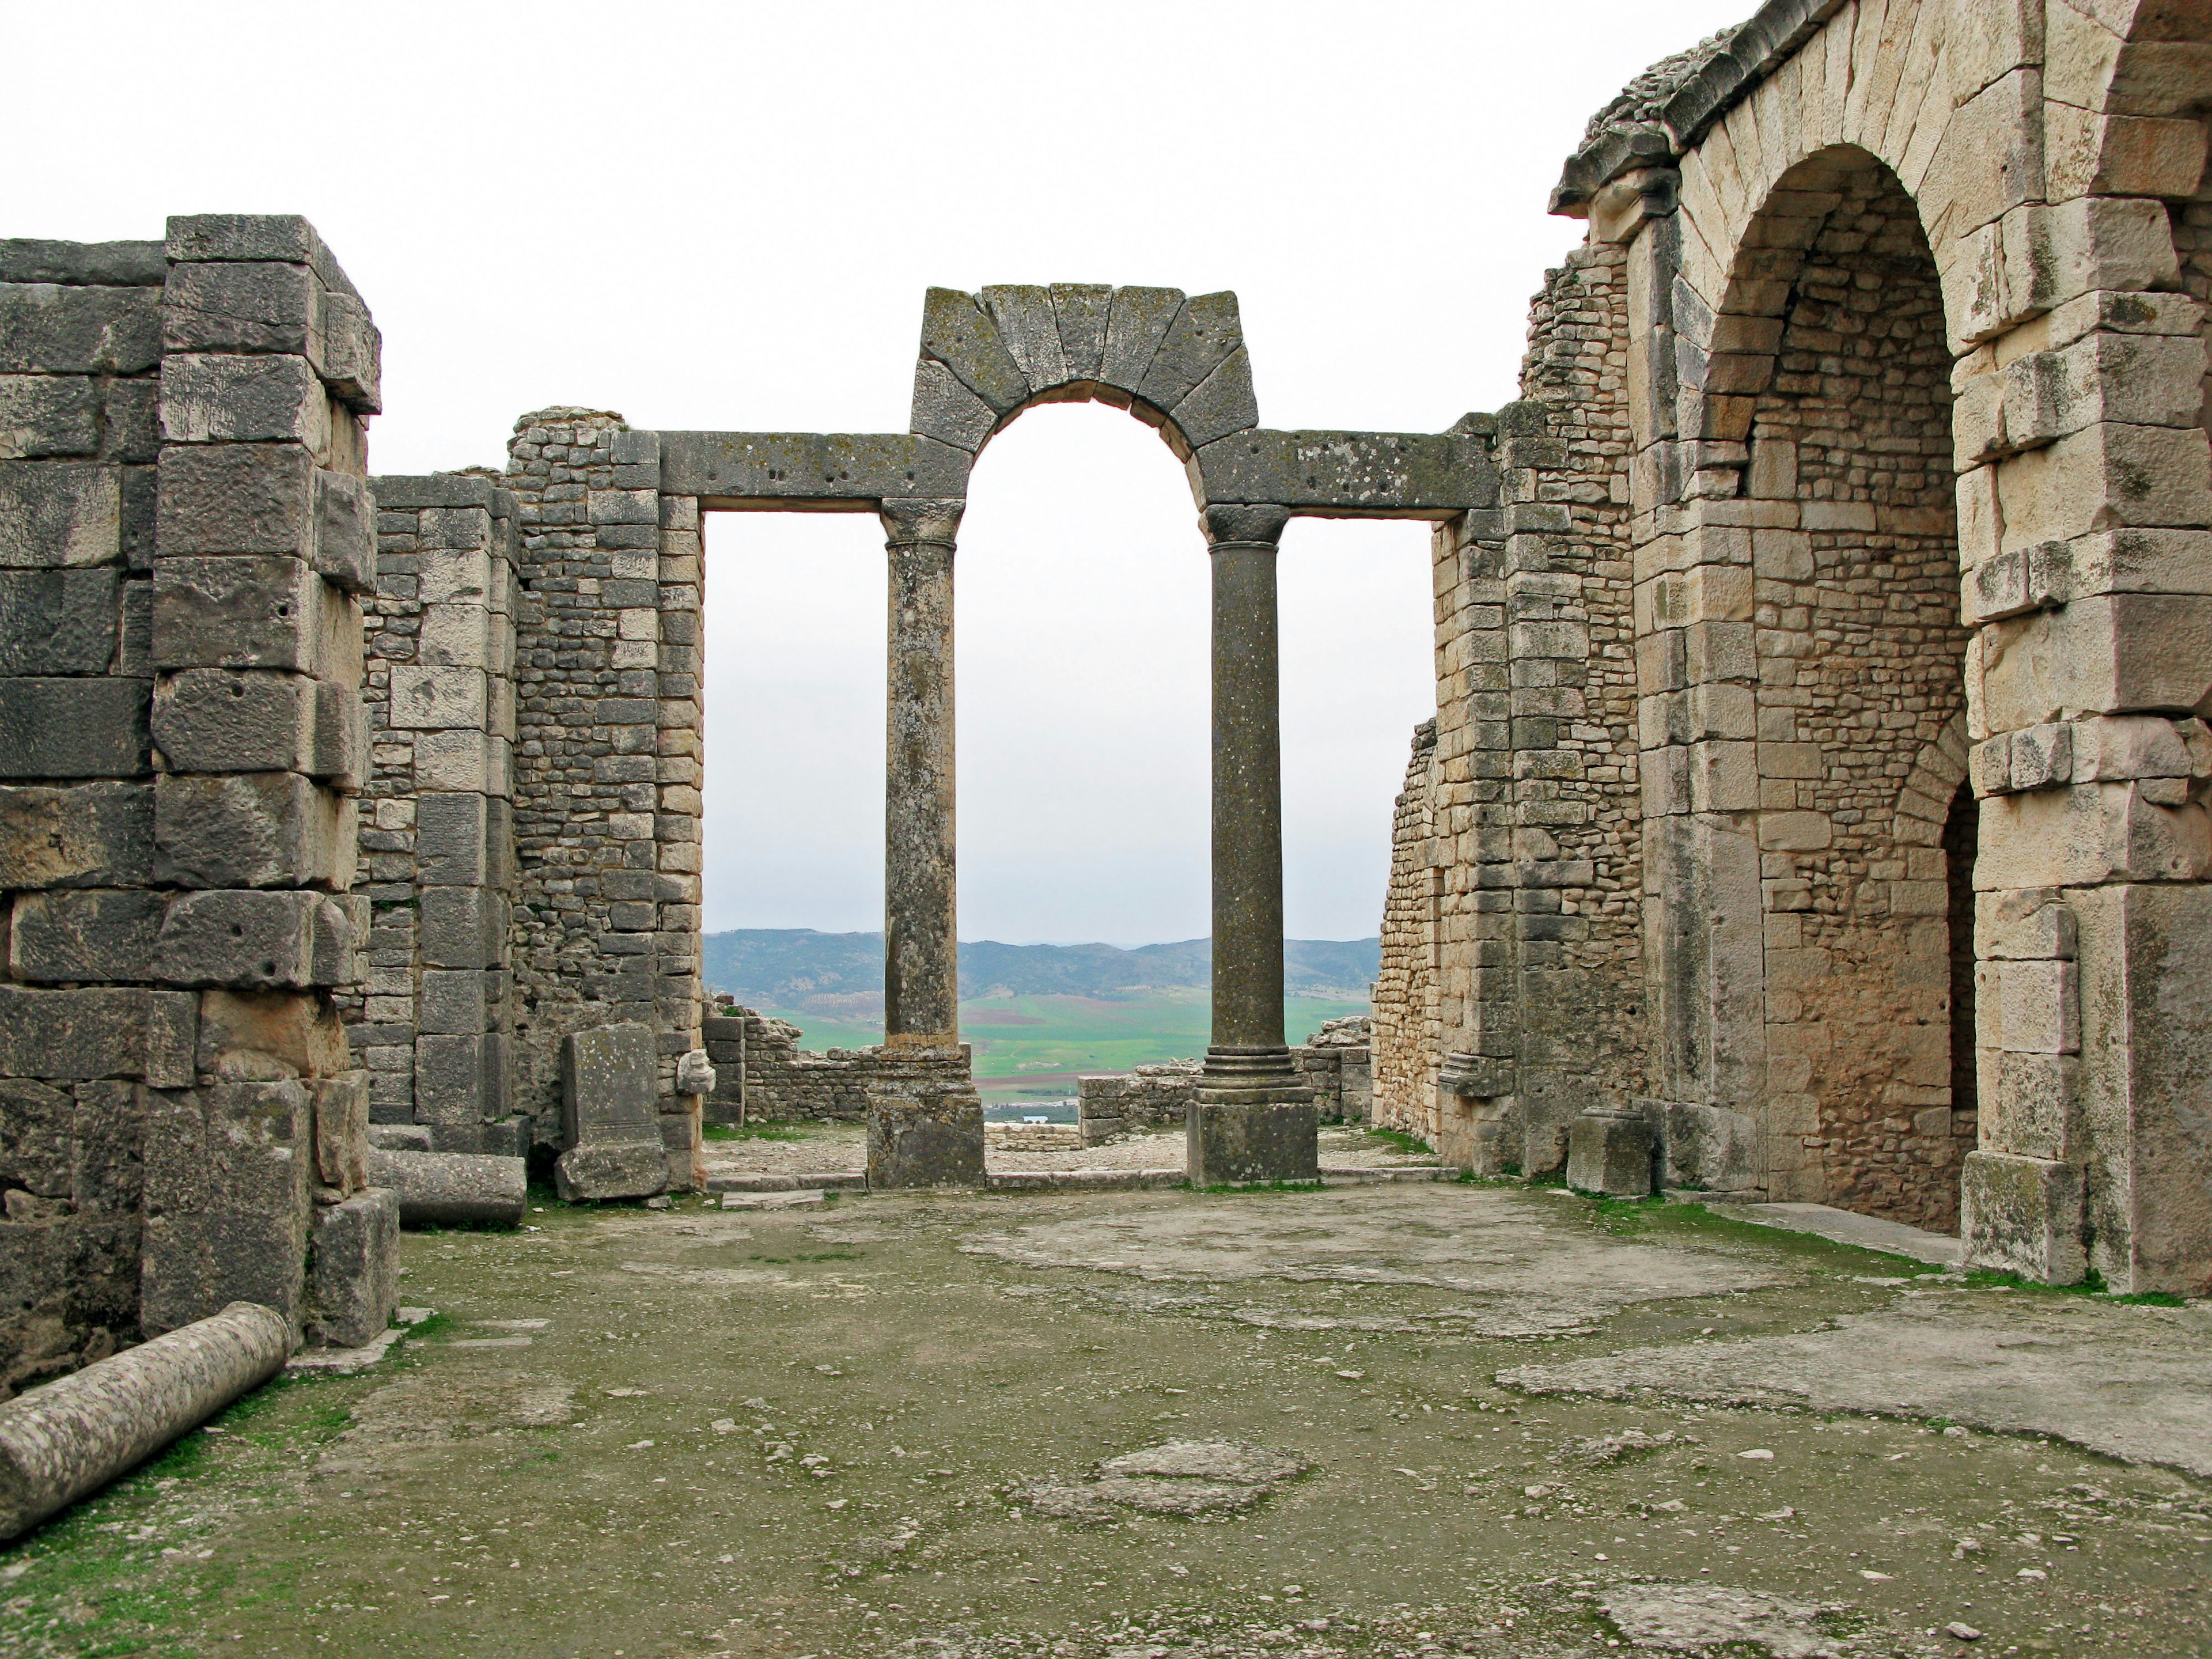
[{"x": 724, "y": 216}]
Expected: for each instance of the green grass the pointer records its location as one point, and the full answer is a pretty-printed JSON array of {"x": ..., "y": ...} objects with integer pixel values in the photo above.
[
  {"x": 1034, "y": 1046},
  {"x": 753, "y": 1132},
  {"x": 1402, "y": 1141},
  {"x": 1983, "y": 1279}
]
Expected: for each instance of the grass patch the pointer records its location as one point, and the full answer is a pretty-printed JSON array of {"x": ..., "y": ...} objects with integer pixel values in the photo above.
[
  {"x": 1984, "y": 1278},
  {"x": 1629, "y": 1217},
  {"x": 755, "y": 1132},
  {"x": 437, "y": 1324},
  {"x": 1399, "y": 1139}
]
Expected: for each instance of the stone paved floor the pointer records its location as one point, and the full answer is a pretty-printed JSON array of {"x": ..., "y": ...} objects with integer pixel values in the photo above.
[{"x": 1403, "y": 1421}]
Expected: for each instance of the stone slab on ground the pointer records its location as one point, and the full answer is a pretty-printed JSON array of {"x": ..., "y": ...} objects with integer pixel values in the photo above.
[
  {"x": 723, "y": 1179},
  {"x": 344, "y": 1362},
  {"x": 1519, "y": 1268},
  {"x": 2134, "y": 1383},
  {"x": 796, "y": 1199},
  {"x": 1704, "y": 1618},
  {"x": 1868, "y": 1232}
]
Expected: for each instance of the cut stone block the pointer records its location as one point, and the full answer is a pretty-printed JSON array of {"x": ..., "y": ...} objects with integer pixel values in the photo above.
[
  {"x": 2023, "y": 1215},
  {"x": 356, "y": 1269},
  {"x": 229, "y": 1178},
  {"x": 1610, "y": 1152},
  {"x": 58, "y": 622},
  {"x": 74, "y": 728},
  {"x": 609, "y": 1085},
  {"x": 90, "y": 835},
  {"x": 57, "y": 515},
  {"x": 602, "y": 1169},
  {"x": 925, "y": 1143},
  {"x": 1239, "y": 1143}
]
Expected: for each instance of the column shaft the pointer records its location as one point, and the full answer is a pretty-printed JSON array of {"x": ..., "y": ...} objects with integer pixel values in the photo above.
[
  {"x": 1248, "y": 817},
  {"x": 1252, "y": 1119},
  {"x": 922, "y": 975}
]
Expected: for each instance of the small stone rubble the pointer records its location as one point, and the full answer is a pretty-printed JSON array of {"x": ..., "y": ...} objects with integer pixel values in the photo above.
[
  {"x": 1194, "y": 1478},
  {"x": 1708, "y": 1618}
]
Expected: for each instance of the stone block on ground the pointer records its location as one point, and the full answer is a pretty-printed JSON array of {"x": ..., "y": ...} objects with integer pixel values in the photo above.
[
  {"x": 356, "y": 1277},
  {"x": 600, "y": 1170},
  {"x": 609, "y": 1080},
  {"x": 444, "y": 1189},
  {"x": 1610, "y": 1152},
  {"x": 399, "y": 1137},
  {"x": 2022, "y": 1215},
  {"x": 1705, "y": 1147}
]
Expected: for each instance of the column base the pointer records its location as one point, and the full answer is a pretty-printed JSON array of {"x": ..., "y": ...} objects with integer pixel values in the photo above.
[
  {"x": 2022, "y": 1215},
  {"x": 925, "y": 1118},
  {"x": 1236, "y": 1140}
]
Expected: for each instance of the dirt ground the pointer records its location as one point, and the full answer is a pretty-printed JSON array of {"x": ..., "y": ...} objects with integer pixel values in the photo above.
[{"x": 879, "y": 1427}]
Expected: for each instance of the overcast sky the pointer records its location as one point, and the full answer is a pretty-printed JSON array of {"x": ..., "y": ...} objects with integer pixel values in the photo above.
[{"x": 725, "y": 216}]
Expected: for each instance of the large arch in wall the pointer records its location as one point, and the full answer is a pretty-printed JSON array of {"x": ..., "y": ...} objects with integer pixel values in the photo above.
[{"x": 2044, "y": 157}]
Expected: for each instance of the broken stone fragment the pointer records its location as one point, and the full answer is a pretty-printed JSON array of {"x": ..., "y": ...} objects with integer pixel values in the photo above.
[{"x": 441, "y": 1190}]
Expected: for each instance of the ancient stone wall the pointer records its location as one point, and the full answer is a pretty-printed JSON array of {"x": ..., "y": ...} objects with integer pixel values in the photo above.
[
  {"x": 433, "y": 1020},
  {"x": 185, "y": 533},
  {"x": 1146, "y": 1097},
  {"x": 606, "y": 927},
  {"x": 1406, "y": 1041},
  {"x": 776, "y": 1081},
  {"x": 1577, "y": 846}
]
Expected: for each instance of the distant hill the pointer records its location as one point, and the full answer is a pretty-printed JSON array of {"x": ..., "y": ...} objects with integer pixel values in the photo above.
[{"x": 843, "y": 972}]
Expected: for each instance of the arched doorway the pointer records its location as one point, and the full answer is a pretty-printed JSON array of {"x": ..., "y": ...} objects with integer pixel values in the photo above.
[{"x": 1828, "y": 403}]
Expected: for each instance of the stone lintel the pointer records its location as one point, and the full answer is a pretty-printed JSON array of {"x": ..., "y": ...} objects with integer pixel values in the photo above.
[
  {"x": 1350, "y": 475},
  {"x": 804, "y": 471}
]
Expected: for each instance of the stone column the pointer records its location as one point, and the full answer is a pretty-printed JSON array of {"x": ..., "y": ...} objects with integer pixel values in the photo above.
[
  {"x": 925, "y": 1120},
  {"x": 1252, "y": 1119}
]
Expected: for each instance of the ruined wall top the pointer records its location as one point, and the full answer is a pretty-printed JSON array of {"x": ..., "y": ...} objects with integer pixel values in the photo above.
[{"x": 1666, "y": 108}]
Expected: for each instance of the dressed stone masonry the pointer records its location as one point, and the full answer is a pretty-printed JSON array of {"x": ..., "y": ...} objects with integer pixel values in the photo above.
[
  {"x": 186, "y": 534},
  {"x": 1857, "y": 604}
]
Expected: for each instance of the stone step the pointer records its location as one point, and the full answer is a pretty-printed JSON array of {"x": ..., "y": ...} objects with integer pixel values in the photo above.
[
  {"x": 1081, "y": 1180},
  {"x": 1868, "y": 1232},
  {"x": 803, "y": 1198},
  {"x": 1346, "y": 1176},
  {"x": 744, "y": 1181}
]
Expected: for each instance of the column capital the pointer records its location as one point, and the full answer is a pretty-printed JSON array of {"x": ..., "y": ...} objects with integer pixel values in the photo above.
[
  {"x": 909, "y": 520},
  {"x": 1241, "y": 525}
]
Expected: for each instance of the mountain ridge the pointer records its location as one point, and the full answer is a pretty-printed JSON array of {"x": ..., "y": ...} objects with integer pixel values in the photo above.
[{"x": 803, "y": 968}]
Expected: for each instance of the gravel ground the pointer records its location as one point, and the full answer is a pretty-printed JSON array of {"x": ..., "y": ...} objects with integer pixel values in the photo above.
[{"x": 1402, "y": 1421}]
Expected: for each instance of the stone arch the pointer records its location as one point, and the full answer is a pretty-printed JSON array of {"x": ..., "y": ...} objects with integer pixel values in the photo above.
[{"x": 1177, "y": 362}]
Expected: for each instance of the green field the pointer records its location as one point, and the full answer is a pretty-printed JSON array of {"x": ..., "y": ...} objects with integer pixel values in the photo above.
[{"x": 1034, "y": 1046}]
